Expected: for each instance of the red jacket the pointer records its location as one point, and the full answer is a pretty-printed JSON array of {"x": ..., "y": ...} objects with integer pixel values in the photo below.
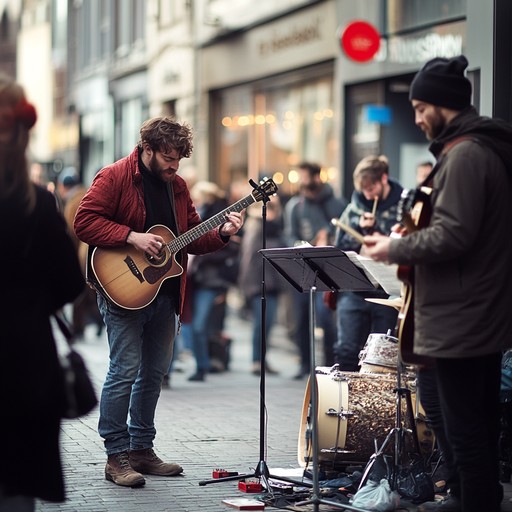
[{"x": 114, "y": 205}]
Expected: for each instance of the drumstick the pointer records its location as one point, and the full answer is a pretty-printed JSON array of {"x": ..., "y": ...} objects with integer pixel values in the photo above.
[
  {"x": 349, "y": 230},
  {"x": 374, "y": 209}
]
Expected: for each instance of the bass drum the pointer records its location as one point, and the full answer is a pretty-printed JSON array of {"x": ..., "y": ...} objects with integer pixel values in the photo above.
[{"x": 355, "y": 412}]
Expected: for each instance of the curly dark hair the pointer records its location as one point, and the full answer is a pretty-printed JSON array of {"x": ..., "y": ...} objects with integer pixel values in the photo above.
[{"x": 166, "y": 134}]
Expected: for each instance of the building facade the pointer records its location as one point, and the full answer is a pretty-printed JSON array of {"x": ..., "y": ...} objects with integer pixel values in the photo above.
[{"x": 263, "y": 84}]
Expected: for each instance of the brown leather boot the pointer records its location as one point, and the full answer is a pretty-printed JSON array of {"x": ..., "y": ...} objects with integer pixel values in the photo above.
[
  {"x": 119, "y": 471},
  {"x": 146, "y": 461}
]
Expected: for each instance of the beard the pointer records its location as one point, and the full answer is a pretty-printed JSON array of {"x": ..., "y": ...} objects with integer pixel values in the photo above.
[
  {"x": 436, "y": 125},
  {"x": 165, "y": 175}
]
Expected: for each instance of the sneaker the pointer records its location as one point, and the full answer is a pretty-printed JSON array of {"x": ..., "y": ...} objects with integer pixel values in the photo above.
[
  {"x": 146, "y": 461},
  {"x": 447, "y": 504},
  {"x": 119, "y": 471}
]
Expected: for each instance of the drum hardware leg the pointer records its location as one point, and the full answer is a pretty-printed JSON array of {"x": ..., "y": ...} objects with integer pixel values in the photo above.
[{"x": 397, "y": 433}]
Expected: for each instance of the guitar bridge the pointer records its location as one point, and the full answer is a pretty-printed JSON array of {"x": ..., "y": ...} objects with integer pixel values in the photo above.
[{"x": 133, "y": 268}]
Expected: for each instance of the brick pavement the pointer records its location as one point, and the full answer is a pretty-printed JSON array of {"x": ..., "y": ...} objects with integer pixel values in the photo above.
[{"x": 203, "y": 426}]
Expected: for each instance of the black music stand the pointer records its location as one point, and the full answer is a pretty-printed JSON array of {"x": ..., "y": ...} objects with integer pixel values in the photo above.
[
  {"x": 312, "y": 269},
  {"x": 261, "y": 471}
]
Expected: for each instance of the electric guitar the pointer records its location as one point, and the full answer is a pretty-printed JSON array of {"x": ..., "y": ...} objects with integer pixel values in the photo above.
[
  {"x": 414, "y": 213},
  {"x": 131, "y": 278}
]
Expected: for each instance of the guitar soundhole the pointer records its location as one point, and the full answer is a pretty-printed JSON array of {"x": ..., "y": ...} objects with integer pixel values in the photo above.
[{"x": 160, "y": 260}]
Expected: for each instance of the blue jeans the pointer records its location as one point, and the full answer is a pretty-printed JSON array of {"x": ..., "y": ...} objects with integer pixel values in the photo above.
[
  {"x": 203, "y": 303},
  {"x": 141, "y": 344},
  {"x": 357, "y": 319},
  {"x": 182, "y": 342},
  {"x": 271, "y": 300}
]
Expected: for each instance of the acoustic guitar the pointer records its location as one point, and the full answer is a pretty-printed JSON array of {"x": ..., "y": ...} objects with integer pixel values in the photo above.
[
  {"x": 131, "y": 278},
  {"x": 414, "y": 213}
]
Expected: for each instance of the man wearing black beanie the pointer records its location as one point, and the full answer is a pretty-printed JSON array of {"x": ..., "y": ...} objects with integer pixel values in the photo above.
[{"x": 463, "y": 284}]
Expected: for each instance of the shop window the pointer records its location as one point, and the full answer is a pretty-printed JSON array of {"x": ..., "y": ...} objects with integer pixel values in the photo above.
[
  {"x": 403, "y": 15},
  {"x": 265, "y": 129}
]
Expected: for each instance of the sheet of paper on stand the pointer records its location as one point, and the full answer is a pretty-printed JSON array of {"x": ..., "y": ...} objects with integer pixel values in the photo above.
[{"x": 379, "y": 274}]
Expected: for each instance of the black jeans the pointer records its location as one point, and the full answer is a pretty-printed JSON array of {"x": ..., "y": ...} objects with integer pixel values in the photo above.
[
  {"x": 429, "y": 398},
  {"x": 469, "y": 393}
]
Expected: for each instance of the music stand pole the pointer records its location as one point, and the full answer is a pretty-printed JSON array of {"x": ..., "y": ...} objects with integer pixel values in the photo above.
[{"x": 261, "y": 471}]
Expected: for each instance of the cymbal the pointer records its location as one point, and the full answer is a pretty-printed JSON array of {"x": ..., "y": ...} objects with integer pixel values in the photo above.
[{"x": 396, "y": 302}]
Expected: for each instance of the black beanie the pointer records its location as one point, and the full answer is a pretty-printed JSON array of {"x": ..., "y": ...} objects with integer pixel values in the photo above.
[{"x": 441, "y": 82}]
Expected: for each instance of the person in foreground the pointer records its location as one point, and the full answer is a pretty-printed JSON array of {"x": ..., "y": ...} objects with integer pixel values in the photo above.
[
  {"x": 41, "y": 274},
  {"x": 463, "y": 286},
  {"x": 125, "y": 199}
]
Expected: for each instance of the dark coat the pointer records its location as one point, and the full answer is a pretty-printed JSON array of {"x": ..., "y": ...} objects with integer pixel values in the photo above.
[
  {"x": 385, "y": 216},
  {"x": 463, "y": 285},
  {"x": 251, "y": 260},
  {"x": 219, "y": 269},
  {"x": 305, "y": 216},
  {"x": 41, "y": 273}
]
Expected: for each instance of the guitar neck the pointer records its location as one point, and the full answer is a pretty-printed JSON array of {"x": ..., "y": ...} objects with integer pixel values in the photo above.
[{"x": 201, "y": 229}]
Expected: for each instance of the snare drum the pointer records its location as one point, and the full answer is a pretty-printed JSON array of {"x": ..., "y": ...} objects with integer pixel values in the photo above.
[
  {"x": 355, "y": 411},
  {"x": 379, "y": 355}
]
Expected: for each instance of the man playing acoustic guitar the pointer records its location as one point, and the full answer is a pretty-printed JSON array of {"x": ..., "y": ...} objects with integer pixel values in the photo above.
[
  {"x": 463, "y": 285},
  {"x": 129, "y": 214}
]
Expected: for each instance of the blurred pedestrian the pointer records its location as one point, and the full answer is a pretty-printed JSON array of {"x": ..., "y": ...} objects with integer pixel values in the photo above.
[
  {"x": 373, "y": 209},
  {"x": 251, "y": 274},
  {"x": 308, "y": 220},
  {"x": 127, "y": 199},
  {"x": 210, "y": 275},
  {"x": 85, "y": 308},
  {"x": 462, "y": 279},
  {"x": 41, "y": 274}
]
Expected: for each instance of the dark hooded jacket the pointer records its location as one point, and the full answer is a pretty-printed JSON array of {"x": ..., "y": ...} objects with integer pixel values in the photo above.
[
  {"x": 462, "y": 259},
  {"x": 385, "y": 216}
]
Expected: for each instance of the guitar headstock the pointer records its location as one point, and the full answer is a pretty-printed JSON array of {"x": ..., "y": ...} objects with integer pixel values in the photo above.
[
  {"x": 414, "y": 208},
  {"x": 266, "y": 187},
  {"x": 407, "y": 200}
]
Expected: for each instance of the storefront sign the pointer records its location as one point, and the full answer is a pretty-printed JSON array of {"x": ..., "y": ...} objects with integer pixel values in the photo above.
[
  {"x": 444, "y": 41},
  {"x": 360, "y": 41}
]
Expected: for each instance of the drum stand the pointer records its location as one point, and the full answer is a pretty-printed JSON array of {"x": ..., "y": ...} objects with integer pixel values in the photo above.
[{"x": 398, "y": 432}]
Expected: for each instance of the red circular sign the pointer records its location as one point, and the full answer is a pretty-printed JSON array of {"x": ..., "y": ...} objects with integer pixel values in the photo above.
[{"x": 360, "y": 41}]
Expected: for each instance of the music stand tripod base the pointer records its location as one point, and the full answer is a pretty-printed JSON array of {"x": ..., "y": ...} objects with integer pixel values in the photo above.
[{"x": 312, "y": 269}]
